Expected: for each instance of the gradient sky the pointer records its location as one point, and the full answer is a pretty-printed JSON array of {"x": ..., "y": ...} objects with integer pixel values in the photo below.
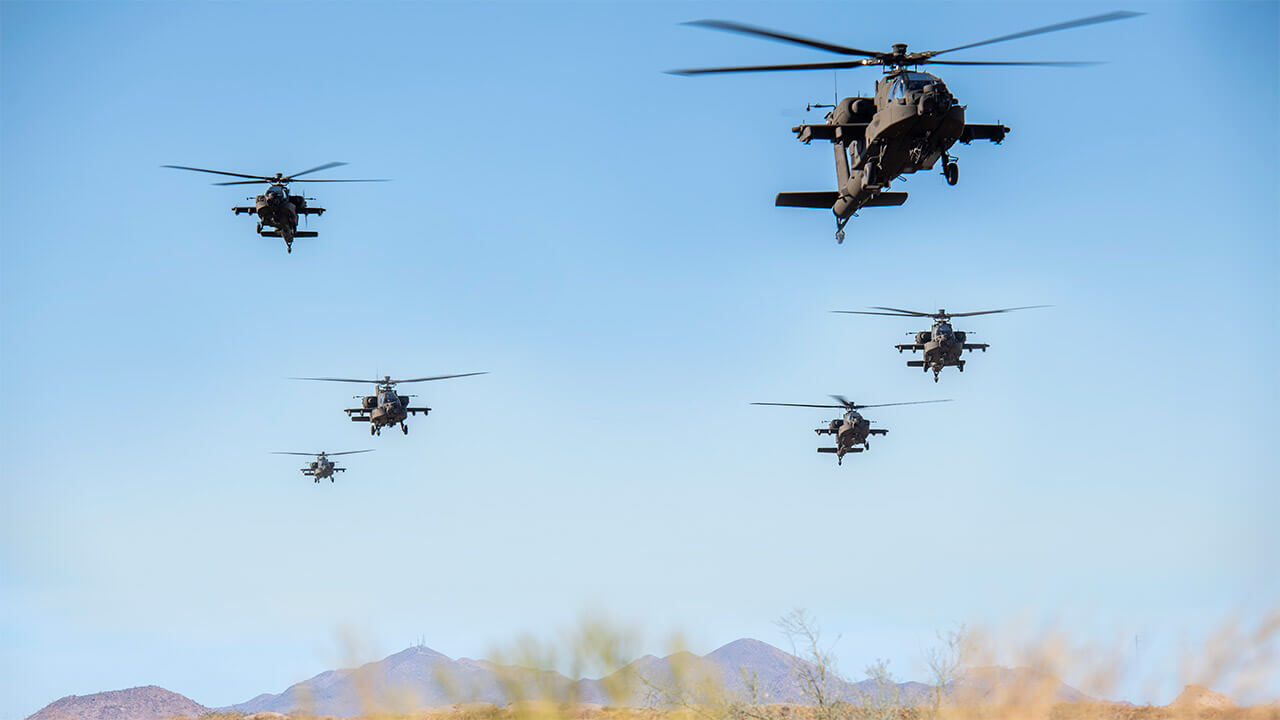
[{"x": 600, "y": 236}]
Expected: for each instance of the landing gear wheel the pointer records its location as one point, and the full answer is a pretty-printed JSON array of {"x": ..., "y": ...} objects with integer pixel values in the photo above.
[
  {"x": 259, "y": 228},
  {"x": 840, "y": 237},
  {"x": 404, "y": 428},
  {"x": 952, "y": 173},
  {"x": 373, "y": 430}
]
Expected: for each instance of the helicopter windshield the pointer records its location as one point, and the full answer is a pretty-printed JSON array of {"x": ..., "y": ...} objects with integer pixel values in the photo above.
[{"x": 917, "y": 81}]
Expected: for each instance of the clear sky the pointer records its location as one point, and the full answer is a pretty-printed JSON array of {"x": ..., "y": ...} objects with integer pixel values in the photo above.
[{"x": 600, "y": 236}]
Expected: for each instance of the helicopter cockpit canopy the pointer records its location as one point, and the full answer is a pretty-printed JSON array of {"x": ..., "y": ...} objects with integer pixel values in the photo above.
[
  {"x": 918, "y": 80},
  {"x": 944, "y": 328}
]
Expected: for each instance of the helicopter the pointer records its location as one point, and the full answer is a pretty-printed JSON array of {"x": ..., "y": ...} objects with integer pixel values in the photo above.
[
  {"x": 852, "y": 429},
  {"x": 910, "y": 123},
  {"x": 276, "y": 208},
  {"x": 942, "y": 346},
  {"x": 386, "y": 407},
  {"x": 322, "y": 467}
]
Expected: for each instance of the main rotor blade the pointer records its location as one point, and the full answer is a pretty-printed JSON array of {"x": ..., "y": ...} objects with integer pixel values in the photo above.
[
  {"x": 325, "y": 166},
  {"x": 243, "y": 182},
  {"x": 349, "y": 452},
  {"x": 217, "y": 172},
  {"x": 339, "y": 380},
  {"x": 1092, "y": 20},
  {"x": 438, "y": 377},
  {"x": 327, "y": 180},
  {"x": 837, "y": 407},
  {"x": 1002, "y": 310},
  {"x": 908, "y": 312},
  {"x": 742, "y": 29},
  {"x": 918, "y": 402},
  {"x": 1049, "y": 63},
  {"x": 294, "y": 453},
  {"x": 770, "y": 68},
  {"x": 863, "y": 312}
]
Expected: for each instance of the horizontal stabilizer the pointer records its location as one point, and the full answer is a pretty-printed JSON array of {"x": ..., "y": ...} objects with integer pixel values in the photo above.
[
  {"x": 823, "y": 200},
  {"x": 296, "y": 235},
  {"x": 886, "y": 199}
]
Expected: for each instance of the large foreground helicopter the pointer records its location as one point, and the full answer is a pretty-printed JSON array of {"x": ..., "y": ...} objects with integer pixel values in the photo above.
[
  {"x": 322, "y": 467},
  {"x": 852, "y": 429},
  {"x": 910, "y": 123},
  {"x": 386, "y": 407},
  {"x": 942, "y": 346},
  {"x": 277, "y": 208}
]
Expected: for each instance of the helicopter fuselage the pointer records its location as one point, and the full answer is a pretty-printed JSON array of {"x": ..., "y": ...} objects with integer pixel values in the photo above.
[
  {"x": 850, "y": 431},
  {"x": 942, "y": 346},
  {"x": 384, "y": 408},
  {"x": 909, "y": 125},
  {"x": 321, "y": 468},
  {"x": 279, "y": 210},
  {"x": 916, "y": 121}
]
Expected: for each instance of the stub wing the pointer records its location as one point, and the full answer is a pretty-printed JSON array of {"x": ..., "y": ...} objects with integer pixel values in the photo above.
[
  {"x": 879, "y": 431},
  {"x": 976, "y": 346},
  {"x": 243, "y": 210},
  {"x": 828, "y": 131},
  {"x": 415, "y": 411},
  {"x": 913, "y": 347},
  {"x": 311, "y": 211},
  {"x": 994, "y": 133}
]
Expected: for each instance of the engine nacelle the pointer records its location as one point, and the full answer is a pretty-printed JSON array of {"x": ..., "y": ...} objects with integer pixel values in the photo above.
[
  {"x": 960, "y": 336},
  {"x": 404, "y": 400},
  {"x": 923, "y": 337},
  {"x": 853, "y": 110},
  {"x": 369, "y": 402}
]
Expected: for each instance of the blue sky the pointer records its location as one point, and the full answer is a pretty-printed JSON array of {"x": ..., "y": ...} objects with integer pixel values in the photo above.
[{"x": 600, "y": 236}]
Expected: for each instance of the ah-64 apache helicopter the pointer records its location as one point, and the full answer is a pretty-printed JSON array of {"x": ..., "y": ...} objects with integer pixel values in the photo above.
[
  {"x": 277, "y": 208},
  {"x": 386, "y": 407},
  {"x": 942, "y": 346},
  {"x": 322, "y": 467},
  {"x": 910, "y": 123},
  {"x": 852, "y": 429}
]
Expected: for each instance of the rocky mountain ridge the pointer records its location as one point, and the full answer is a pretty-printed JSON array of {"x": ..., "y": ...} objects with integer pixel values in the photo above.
[
  {"x": 140, "y": 703},
  {"x": 419, "y": 677}
]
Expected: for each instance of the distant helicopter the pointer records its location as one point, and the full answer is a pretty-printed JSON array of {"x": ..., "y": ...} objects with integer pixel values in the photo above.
[
  {"x": 851, "y": 430},
  {"x": 322, "y": 467},
  {"x": 385, "y": 407},
  {"x": 910, "y": 123},
  {"x": 942, "y": 346},
  {"x": 277, "y": 208}
]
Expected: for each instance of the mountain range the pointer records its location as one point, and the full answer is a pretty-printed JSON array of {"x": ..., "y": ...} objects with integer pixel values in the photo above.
[{"x": 420, "y": 677}]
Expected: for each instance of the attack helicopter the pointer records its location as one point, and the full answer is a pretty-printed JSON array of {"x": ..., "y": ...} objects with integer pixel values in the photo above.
[
  {"x": 910, "y": 123},
  {"x": 852, "y": 429},
  {"x": 942, "y": 346},
  {"x": 277, "y": 208},
  {"x": 386, "y": 407},
  {"x": 322, "y": 467}
]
